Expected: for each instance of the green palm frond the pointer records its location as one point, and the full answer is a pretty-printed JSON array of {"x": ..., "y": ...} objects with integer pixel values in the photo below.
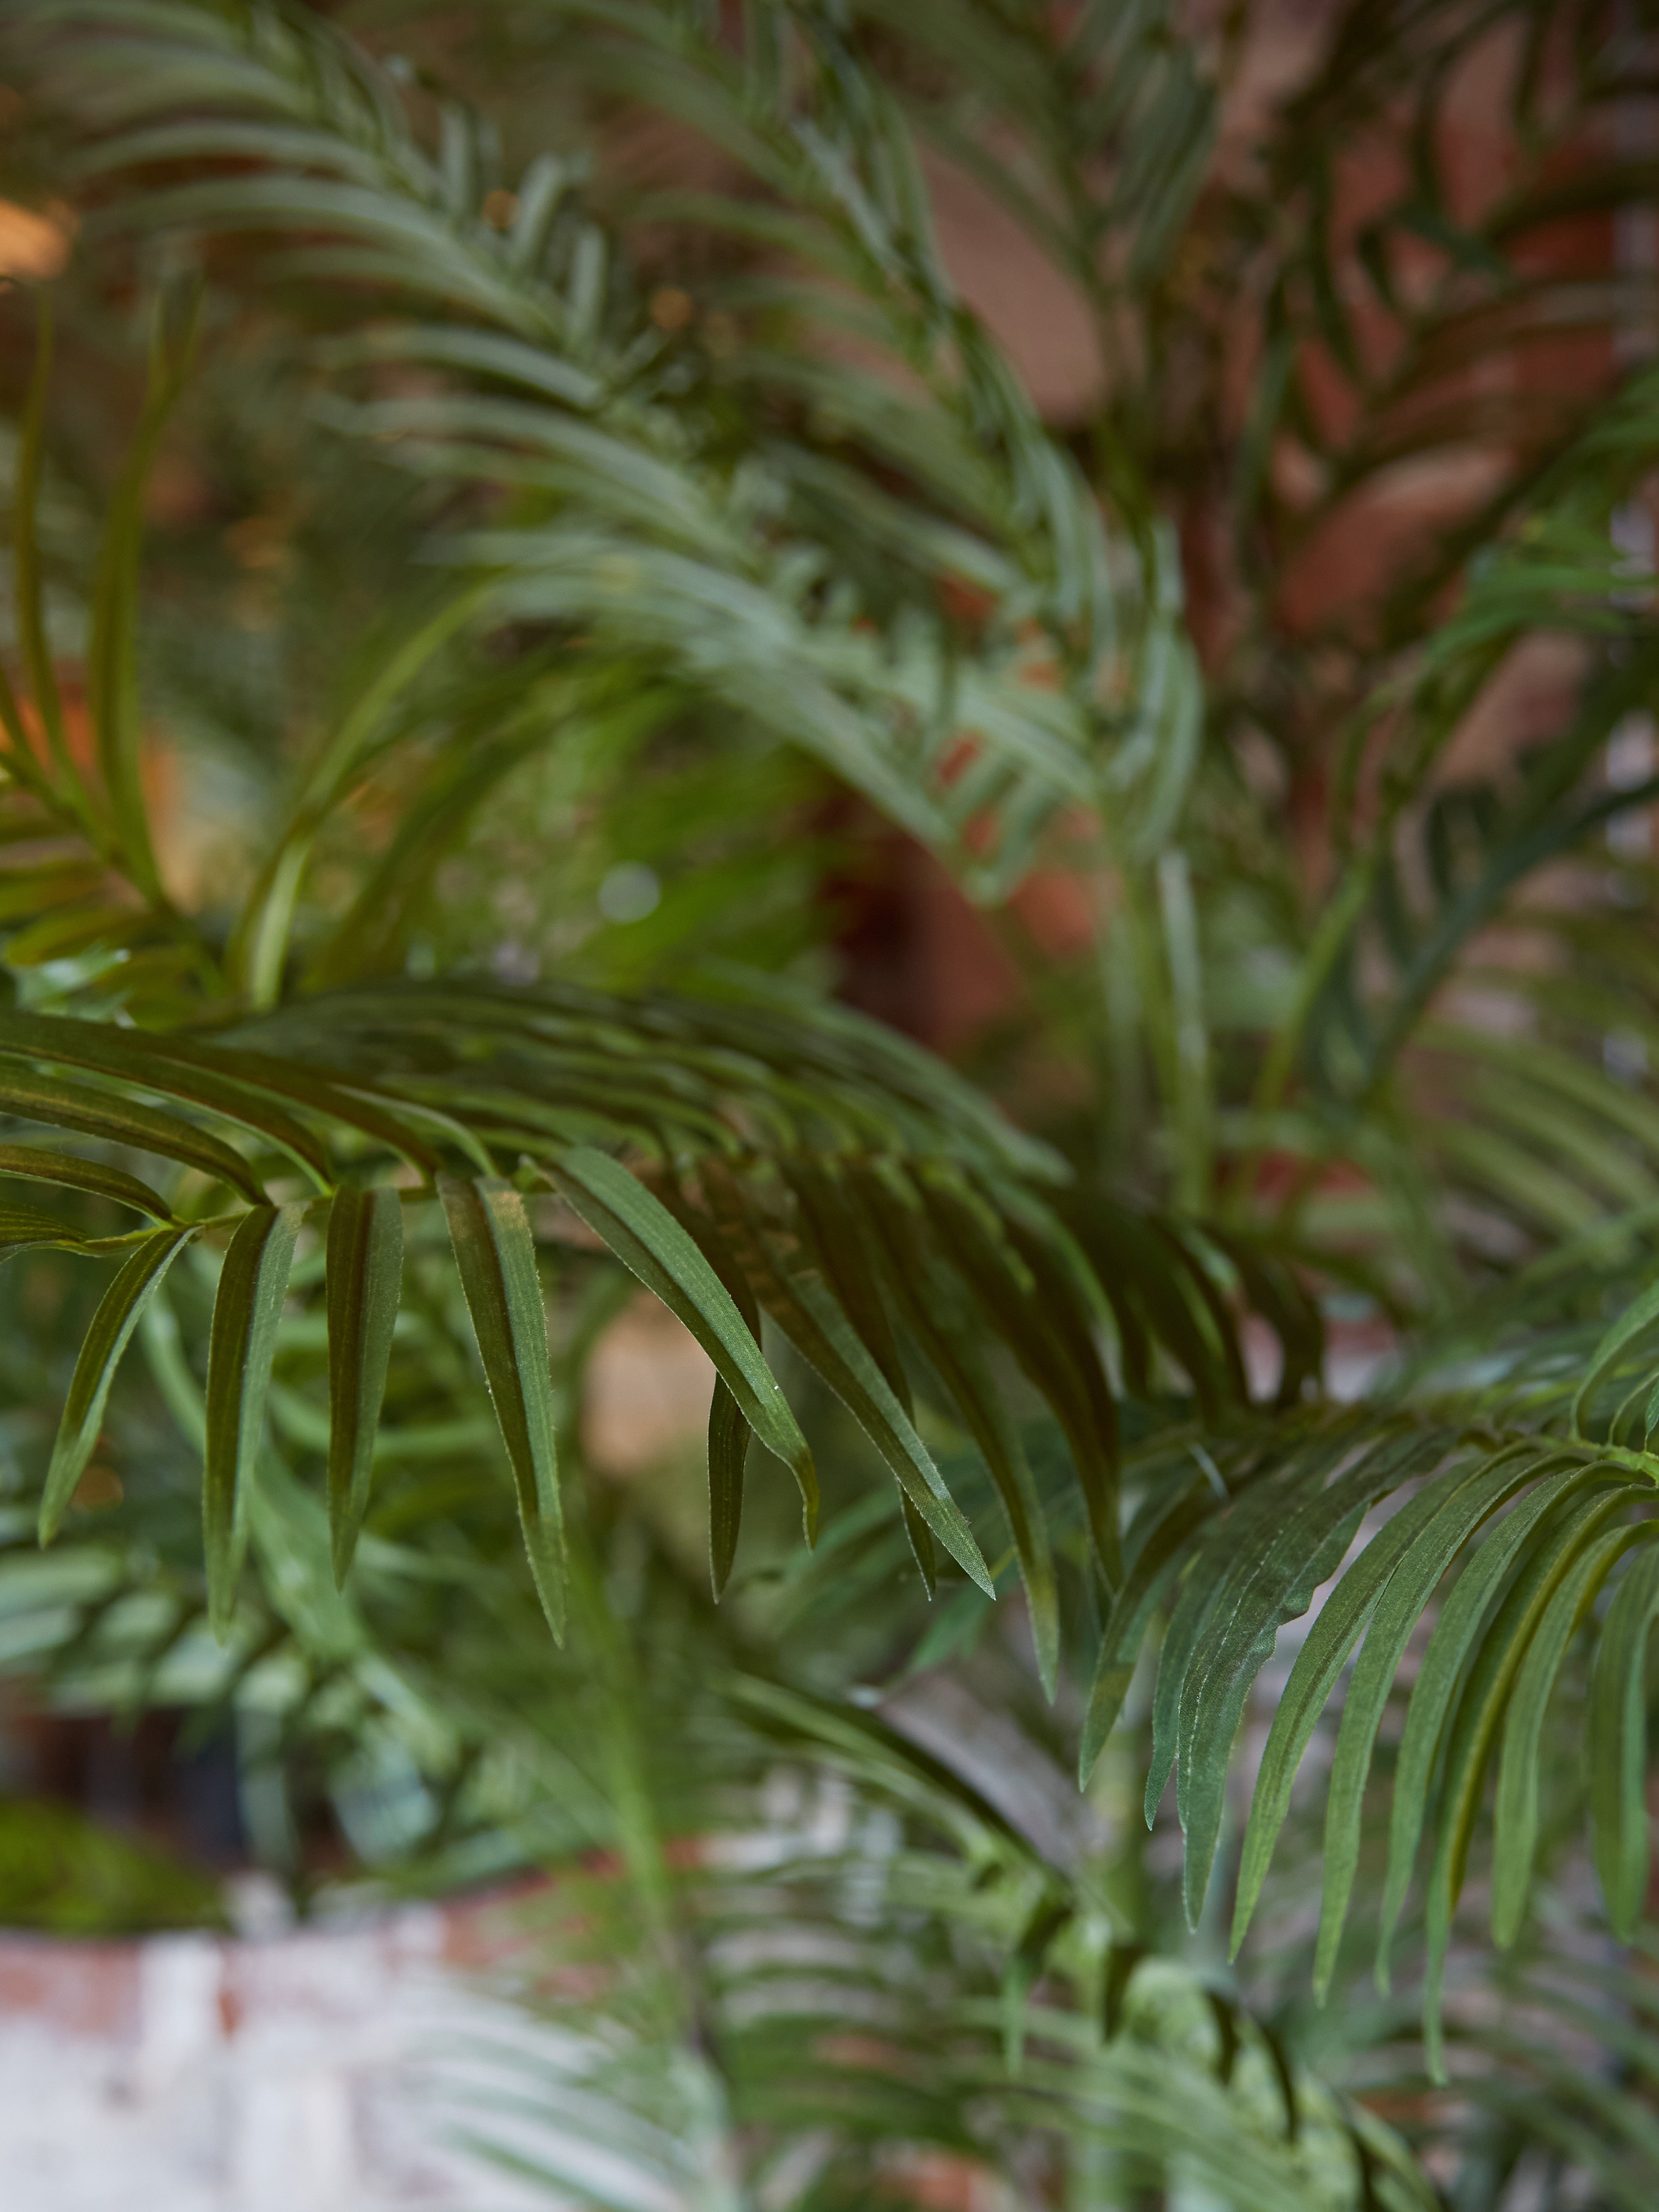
[
  {"x": 793, "y": 1160},
  {"x": 1505, "y": 1542},
  {"x": 366, "y": 1211},
  {"x": 634, "y": 523},
  {"x": 853, "y": 1981}
]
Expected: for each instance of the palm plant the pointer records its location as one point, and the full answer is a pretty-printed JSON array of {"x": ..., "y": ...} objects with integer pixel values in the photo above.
[{"x": 610, "y": 532}]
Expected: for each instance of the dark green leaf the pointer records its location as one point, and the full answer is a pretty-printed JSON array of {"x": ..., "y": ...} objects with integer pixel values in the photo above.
[
  {"x": 1617, "y": 1743},
  {"x": 929, "y": 1303},
  {"x": 1441, "y": 1673},
  {"x": 119, "y": 1121},
  {"x": 645, "y": 1236},
  {"x": 23, "y": 1225},
  {"x": 71, "y": 1172},
  {"x": 1467, "y": 1497},
  {"x": 365, "y": 1275},
  {"x": 728, "y": 1449},
  {"x": 248, "y": 1308},
  {"x": 496, "y": 1255},
  {"x": 1514, "y": 1827},
  {"x": 1546, "y": 1562},
  {"x": 150, "y": 1064},
  {"x": 1637, "y": 1316},
  {"x": 119, "y": 1313}
]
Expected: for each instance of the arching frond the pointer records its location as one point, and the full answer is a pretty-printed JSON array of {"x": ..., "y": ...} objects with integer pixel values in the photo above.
[
  {"x": 790, "y": 1160},
  {"x": 846, "y": 1988},
  {"x": 631, "y": 527},
  {"x": 1505, "y": 1542}
]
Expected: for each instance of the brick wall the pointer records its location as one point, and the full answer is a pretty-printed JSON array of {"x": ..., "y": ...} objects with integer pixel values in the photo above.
[{"x": 298, "y": 2073}]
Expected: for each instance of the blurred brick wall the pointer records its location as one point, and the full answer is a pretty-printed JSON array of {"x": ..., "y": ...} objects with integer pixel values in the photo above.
[{"x": 192, "y": 2074}]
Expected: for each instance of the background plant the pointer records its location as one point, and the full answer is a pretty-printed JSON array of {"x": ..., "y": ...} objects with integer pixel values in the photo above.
[{"x": 593, "y": 541}]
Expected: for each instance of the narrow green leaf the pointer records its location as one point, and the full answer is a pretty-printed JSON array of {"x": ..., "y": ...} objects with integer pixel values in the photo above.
[
  {"x": 814, "y": 1323},
  {"x": 1066, "y": 1298},
  {"x": 921, "y": 1538},
  {"x": 1272, "y": 1289},
  {"x": 1472, "y": 1728},
  {"x": 119, "y": 1312},
  {"x": 714, "y": 1247},
  {"x": 1043, "y": 1345},
  {"x": 268, "y": 1076},
  {"x": 496, "y": 1255},
  {"x": 1618, "y": 1744},
  {"x": 1226, "y": 2017},
  {"x": 646, "y": 1238},
  {"x": 728, "y": 1449},
  {"x": 22, "y": 1226},
  {"x": 1466, "y": 1502},
  {"x": 153, "y": 1064},
  {"x": 820, "y": 1332},
  {"x": 118, "y": 1121},
  {"x": 111, "y": 660},
  {"x": 1514, "y": 1827},
  {"x": 26, "y": 560},
  {"x": 1151, "y": 1290},
  {"x": 241, "y": 1344},
  {"x": 1267, "y": 1583},
  {"x": 1635, "y": 1317},
  {"x": 1154, "y": 1564},
  {"x": 365, "y": 1275},
  {"x": 1437, "y": 1681},
  {"x": 930, "y": 1309},
  {"x": 832, "y": 1234},
  {"x": 71, "y": 1172},
  {"x": 1313, "y": 1677},
  {"x": 1246, "y": 1526}
]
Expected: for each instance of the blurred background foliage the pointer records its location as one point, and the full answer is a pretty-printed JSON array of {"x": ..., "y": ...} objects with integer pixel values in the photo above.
[{"x": 576, "y": 567}]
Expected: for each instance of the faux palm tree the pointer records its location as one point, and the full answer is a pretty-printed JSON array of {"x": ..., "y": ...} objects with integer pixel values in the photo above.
[{"x": 596, "y": 521}]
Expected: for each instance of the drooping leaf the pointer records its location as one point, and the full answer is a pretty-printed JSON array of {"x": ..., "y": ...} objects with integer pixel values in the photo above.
[
  {"x": 364, "y": 1278},
  {"x": 929, "y": 1305},
  {"x": 1514, "y": 1826},
  {"x": 496, "y": 1255},
  {"x": 69, "y": 1170},
  {"x": 1546, "y": 1563},
  {"x": 728, "y": 1448},
  {"x": 1227, "y": 1548},
  {"x": 119, "y": 1121},
  {"x": 1440, "y": 1676},
  {"x": 22, "y": 1226},
  {"x": 1313, "y": 1676},
  {"x": 1270, "y": 1581},
  {"x": 809, "y": 1316},
  {"x": 248, "y": 1308},
  {"x": 119, "y": 1314},
  {"x": 645, "y": 1236},
  {"x": 130, "y": 1057},
  {"x": 1637, "y": 1317},
  {"x": 1617, "y": 1745},
  {"x": 1468, "y": 1498},
  {"x": 1154, "y": 1558}
]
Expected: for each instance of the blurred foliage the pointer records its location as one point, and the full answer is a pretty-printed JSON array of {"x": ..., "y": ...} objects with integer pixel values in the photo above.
[
  {"x": 65, "y": 1876},
  {"x": 513, "y": 520}
]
